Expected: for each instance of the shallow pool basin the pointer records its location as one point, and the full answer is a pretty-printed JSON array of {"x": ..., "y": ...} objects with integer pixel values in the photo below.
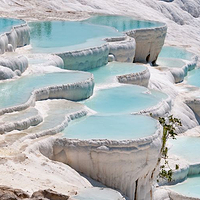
[
  {"x": 175, "y": 52},
  {"x": 122, "y": 23},
  {"x": 193, "y": 77},
  {"x": 61, "y": 36},
  {"x": 190, "y": 187},
  {"x": 17, "y": 92},
  {"x": 114, "y": 127},
  {"x": 186, "y": 148},
  {"x": 124, "y": 99},
  {"x": 170, "y": 62},
  {"x": 56, "y": 115},
  {"x": 107, "y": 74}
]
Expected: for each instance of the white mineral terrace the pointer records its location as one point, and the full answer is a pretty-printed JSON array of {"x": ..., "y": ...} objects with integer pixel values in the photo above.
[{"x": 82, "y": 85}]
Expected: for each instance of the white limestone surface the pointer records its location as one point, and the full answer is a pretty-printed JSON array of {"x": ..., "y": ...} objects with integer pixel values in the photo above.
[
  {"x": 19, "y": 36},
  {"x": 24, "y": 167},
  {"x": 126, "y": 165},
  {"x": 6, "y": 73},
  {"x": 122, "y": 48},
  {"x": 45, "y": 60},
  {"x": 20, "y": 120},
  {"x": 180, "y": 73},
  {"x": 64, "y": 110},
  {"x": 176, "y": 196},
  {"x": 149, "y": 43},
  {"x": 182, "y": 19},
  {"x": 19, "y": 62},
  {"x": 86, "y": 58},
  {"x": 194, "y": 104},
  {"x": 97, "y": 193},
  {"x": 140, "y": 78}
]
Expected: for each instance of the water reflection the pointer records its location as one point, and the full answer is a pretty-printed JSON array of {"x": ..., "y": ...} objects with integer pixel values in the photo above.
[
  {"x": 59, "y": 36},
  {"x": 41, "y": 29},
  {"x": 122, "y": 23}
]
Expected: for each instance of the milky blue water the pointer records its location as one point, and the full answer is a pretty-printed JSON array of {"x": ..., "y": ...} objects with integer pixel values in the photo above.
[
  {"x": 123, "y": 99},
  {"x": 122, "y": 23},
  {"x": 60, "y": 36},
  {"x": 107, "y": 74},
  {"x": 117, "y": 127},
  {"x": 193, "y": 77},
  {"x": 6, "y": 24},
  {"x": 190, "y": 187},
  {"x": 175, "y": 52},
  {"x": 17, "y": 92},
  {"x": 170, "y": 62},
  {"x": 186, "y": 147}
]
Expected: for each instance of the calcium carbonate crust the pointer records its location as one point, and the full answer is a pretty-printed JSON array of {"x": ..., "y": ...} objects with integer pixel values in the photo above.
[
  {"x": 161, "y": 109},
  {"x": 15, "y": 63},
  {"x": 57, "y": 129},
  {"x": 194, "y": 104},
  {"x": 149, "y": 42},
  {"x": 85, "y": 59},
  {"x": 19, "y": 36},
  {"x": 180, "y": 73},
  {"x": 176, "y": 196},
  {"x": 126, "y": 165},
  {"x": 140, "y": 78},
  {"x": 21, "y": 124},
  {"x": 138, "y": 45},
  {"x": 75, "y": 92},
  {"x": 122, "y": 48}
]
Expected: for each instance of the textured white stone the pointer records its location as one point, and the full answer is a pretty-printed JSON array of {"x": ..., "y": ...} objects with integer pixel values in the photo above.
[
  {"x": 6, "y": 73},
  {"x": 149, "y": 43},
  {"x": 19, "y": 36},
  {"x": 176, "y": 196},
  {"x": 161, "y": 194},
  {"x": 122, "y": 48},
  {"x": 180, "y": 73},
  {"x": 16, "y": 121},
  {"x": 86, "y": 59},
  {"x": 15, "y": 62},
  {"x": 140, "y": 78},
  {"x": 163, "y": 108},
  {"x": 126, "y": 165}
]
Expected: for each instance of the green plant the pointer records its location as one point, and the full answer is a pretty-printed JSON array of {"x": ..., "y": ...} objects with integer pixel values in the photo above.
[{"x": 169, "y": 131}]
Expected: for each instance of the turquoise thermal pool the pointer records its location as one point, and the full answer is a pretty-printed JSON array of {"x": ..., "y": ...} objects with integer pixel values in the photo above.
[
  {"x": 6, "y": 24},
  {"x": 60, "y": 36},
  {"x": 122, "y": 23},
  {"x": 193, "y": 77},
  {"x": 18, "y": 91},
  {"x": 124, "y": 99},
  {"x": 190, "y": 187},
  {"x": 114, "y": 127},
  {"x": 186, "y": 148},
  {"x": 107, "y": 74},
  {"x": 170, "y": 62},
  {"x": 175, "y": 52}
]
